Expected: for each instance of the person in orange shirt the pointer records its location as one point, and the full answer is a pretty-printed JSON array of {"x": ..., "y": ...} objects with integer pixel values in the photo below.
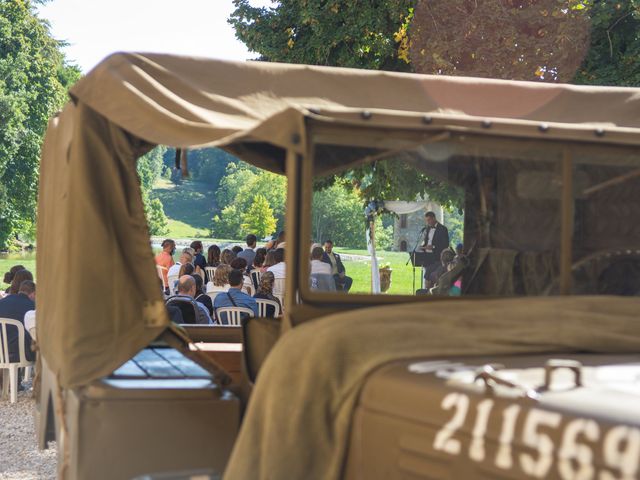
[{"x": 165, "y": 259}]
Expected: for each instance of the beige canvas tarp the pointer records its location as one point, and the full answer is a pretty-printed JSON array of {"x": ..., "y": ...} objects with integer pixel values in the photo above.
[
  {"x": 98, "y": 300},
  {"x": 298, "y": 421}
]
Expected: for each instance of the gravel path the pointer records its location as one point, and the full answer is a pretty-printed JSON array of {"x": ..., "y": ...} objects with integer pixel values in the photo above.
[{"x": 20, "y": 458}]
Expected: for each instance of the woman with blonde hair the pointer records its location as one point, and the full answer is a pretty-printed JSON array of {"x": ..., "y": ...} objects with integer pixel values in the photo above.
[{"x": 220, "y": 282}]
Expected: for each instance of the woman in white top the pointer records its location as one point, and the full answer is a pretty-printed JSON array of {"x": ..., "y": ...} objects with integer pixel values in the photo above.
[{"x": 220, "y": 281}]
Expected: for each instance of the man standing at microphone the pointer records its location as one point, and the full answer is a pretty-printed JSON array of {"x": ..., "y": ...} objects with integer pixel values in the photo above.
[{"x": 436, "y": 239}]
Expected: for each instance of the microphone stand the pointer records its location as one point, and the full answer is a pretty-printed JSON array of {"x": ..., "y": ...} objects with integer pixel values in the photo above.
[{"x": 413, "y": 256}]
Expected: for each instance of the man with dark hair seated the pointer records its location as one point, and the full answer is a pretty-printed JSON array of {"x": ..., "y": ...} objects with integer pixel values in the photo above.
[
  {"x": 15, "y": 307},
  {"x": 235, "y": 297}
]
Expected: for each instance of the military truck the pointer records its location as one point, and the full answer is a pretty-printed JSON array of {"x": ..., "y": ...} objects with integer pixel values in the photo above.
[{"x": 532, "y": 372}]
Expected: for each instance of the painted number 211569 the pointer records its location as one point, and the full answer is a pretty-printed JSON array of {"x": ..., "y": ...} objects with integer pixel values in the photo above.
[{"x": 574, "y": 456}]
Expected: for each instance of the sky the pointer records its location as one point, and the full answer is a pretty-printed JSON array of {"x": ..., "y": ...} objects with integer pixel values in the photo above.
[{"x": 96, "y": 28}]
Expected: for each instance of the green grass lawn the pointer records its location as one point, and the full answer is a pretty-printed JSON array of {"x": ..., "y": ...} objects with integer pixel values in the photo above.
[
  {"x": 188, "y": 206},
  {"x": 28, "y": 260},
  {"x": 360, "y": 271}
]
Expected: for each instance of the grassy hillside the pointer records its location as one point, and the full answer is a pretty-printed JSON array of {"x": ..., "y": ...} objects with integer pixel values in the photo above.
[{"x": 188, "y": 206}]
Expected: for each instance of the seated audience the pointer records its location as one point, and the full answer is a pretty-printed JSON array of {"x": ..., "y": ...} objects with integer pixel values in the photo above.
[
  {"x": 241, "y": 264},
  {"x": 213, "y": 256},
  {"x": 317, "y": 265},
  {"x": 18, "y": 278},
  {"x": 15, "y": 306},
  {"x": 269, "y": 261},
  {"x": 236, "y": 249},
  {"x": 343, "y": 283},
  {"x": 8, "y": 276},
  {"x": 220, "y": 282},
  {"x": 186, "y": 269},
  {"x": 258, "y": 259},
  {"x": 187, "y": 289},
  {"x": 265, "y": 290},
  {"x": 185, "y": 257},
  {"x": 202, "y": 297},
  {"x": 227, "y": 256},
  {"x": 249, "y": 253},
  {"x": 278, "y": 268},
  {"x": 276, "y": 242},
  {"x": 446, "y": 258},
  {"x": 235, "y": 297},
  {"x": 198, "y": 258}
]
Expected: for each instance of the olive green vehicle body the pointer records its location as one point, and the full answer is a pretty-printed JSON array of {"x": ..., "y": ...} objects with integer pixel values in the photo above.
[{"x": 559, "y": 415}]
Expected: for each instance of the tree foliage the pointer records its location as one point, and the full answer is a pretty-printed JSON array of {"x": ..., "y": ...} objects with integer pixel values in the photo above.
[
  {"x": 236, "y": 193},
  {"x": 149, "y": 168},
  {"x": 337, "y": 213},
  {"x": 324, "y": 32},
  {"x": 33, "y": 83},
  {"x": 584, "y": 41},
  {"x": 614, "y": 52},
  {"x": 259, "y": 219},
  {"x": 510, "y": 39}
]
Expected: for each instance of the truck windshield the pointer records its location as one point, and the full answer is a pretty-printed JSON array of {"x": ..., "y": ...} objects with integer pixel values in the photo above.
[{"x": 466, "y": 216}]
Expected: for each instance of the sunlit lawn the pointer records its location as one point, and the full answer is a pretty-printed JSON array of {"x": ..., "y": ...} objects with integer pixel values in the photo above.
[
  {"x": 27, "y": 260},
  {"x": 360, "y": 271}
]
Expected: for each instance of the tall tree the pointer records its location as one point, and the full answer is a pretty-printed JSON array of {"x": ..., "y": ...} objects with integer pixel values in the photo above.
[
  {"x": 510, "y": 39},
  {"x": 259, "y": 219},
  {"x": 33, "y": 83},
  {"x": 584, "y": 41},
  {"x": 149, "y": 168},
  {"x": 348, "y": 33},
  {"x": 614, "y": 52}
]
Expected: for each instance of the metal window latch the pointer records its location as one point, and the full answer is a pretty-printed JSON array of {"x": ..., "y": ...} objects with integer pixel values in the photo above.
[
  {"x": 555, "y": 364},
  {"x": 488, "y": 376}
]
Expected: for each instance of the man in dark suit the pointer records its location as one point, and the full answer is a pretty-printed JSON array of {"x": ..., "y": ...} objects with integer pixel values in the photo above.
[
  {"x": 14, "y": 307},
  {"x": 343, "y": 283},
  {"x": 436, "y": 239}
]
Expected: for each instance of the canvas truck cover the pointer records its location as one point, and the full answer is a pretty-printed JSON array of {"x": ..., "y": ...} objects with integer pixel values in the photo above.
[{"x": 98, "y": 303}]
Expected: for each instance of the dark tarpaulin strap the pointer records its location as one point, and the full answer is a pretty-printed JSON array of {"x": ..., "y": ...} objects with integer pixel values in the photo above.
[{"x": 182, "y": 162}]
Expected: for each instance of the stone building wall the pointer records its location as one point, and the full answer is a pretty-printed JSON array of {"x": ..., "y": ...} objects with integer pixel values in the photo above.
[{"x": 406, "y": 231}]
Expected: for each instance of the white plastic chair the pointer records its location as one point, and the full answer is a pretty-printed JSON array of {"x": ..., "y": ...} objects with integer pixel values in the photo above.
[
  {"x": 278, "y": 289},
  {"x": 160, "y": 270},
  {"x": 263, "y": 303},
  {"x": 210, "y": 272},
  {"x": 233, "y": 315},
  {"x": 5, "y": 364},
  {"x": 255, "y": 278},
  {"x": 173, "y": 279}
]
